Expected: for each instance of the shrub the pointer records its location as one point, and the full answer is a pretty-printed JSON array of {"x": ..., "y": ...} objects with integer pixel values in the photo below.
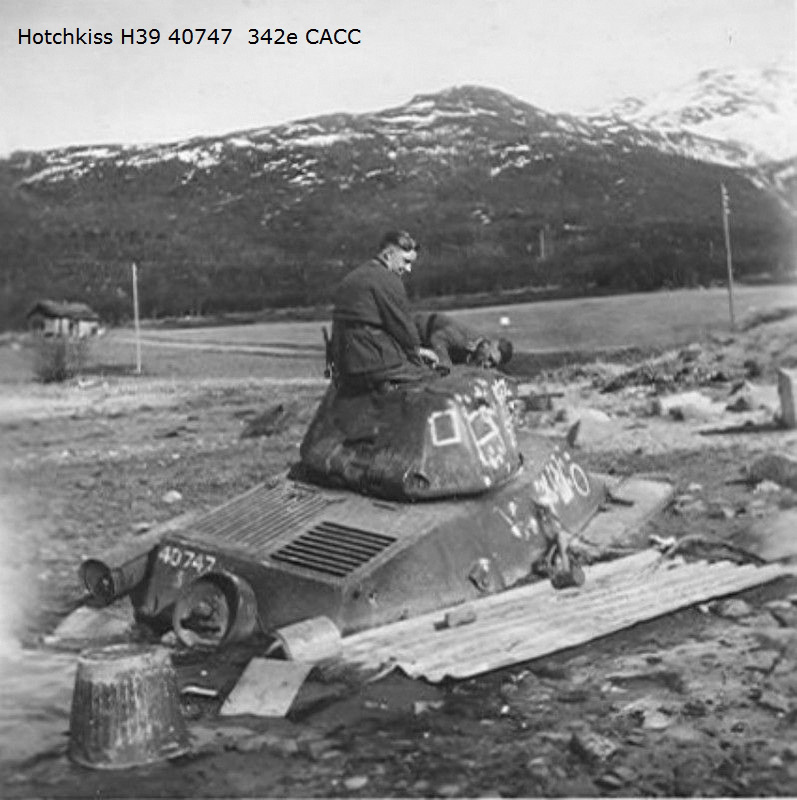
[{"x": 58, "y": 358}]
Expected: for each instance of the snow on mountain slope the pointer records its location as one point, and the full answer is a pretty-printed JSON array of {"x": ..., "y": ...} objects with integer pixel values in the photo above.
[{"x": 754, "y": 108}]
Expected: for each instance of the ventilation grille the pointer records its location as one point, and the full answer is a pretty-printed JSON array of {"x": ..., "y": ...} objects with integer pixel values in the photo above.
[
  {"x": 261, "y": 516},
  {"x": 333, "y": 549}
]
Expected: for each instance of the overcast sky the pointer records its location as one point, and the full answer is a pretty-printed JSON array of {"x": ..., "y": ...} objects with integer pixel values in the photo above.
[{"x": 560, "y": 55}]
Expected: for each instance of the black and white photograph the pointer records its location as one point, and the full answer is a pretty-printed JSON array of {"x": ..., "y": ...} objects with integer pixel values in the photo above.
[{"x": 397, "y": 399}]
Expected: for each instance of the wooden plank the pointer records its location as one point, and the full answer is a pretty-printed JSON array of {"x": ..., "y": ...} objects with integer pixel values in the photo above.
[{"x": 266, "y": 688}]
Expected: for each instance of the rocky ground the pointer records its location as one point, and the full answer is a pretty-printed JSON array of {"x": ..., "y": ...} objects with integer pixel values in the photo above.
[{"x": 701, "y": 702}]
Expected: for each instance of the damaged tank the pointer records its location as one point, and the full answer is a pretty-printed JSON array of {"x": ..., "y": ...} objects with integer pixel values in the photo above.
[{"x": 402, "y": 503}]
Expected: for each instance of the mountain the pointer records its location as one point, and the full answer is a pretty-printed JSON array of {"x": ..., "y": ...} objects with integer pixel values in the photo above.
[
  {"x": 502, "y": 194},
  {"x": 752, "y": 109}
]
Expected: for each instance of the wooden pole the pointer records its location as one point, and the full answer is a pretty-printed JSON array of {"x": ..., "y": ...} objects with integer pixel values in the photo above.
[
  {"x": 727, "y": 229},
  {"x": 135, "y": 319}
]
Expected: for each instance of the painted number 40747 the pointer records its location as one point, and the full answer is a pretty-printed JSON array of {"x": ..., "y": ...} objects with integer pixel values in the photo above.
[{"x": 181, "y": 558}]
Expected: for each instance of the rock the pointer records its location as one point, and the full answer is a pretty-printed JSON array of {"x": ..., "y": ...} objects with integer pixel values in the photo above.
[
  {"x": 508, "y": 691},
  {"x": 767, "y": 487},
  {"x": 778, "y": 605},
  {"x": 732, "y": 609},
  {"x": 780, "y": 469},
  {"x": 669, "y": 677},
  {"x": 449, "y": 790},
  {"x": 684, "y": 734},
  {"x": 689, "y": 504},
  {"x": 423, "y": 706},
  {"x": 171, "y": 497},
  {"x": 787, "y": 617},
  {"x": 141, "y": 527},
  {"x": 592, "y": 747},
  {"x": 609, "y": 780},
  {"x": 593, "y": 415},
  {"x": 774, "y": 701},
  {"x": 88, "y": 625},
  {"x": 355, "y": 782},
  {"x": 656, "y": 721},
  {"x": 687, "y": 405},
  {"x": 775, "y": 536},
  {"x": 616, "y": 777},
  {"x": 694, "y": 708},
  {"x": 315, "y": 748}
]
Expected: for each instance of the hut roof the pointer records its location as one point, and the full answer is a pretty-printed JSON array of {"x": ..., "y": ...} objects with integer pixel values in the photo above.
[{"x": 55, "y": 309}]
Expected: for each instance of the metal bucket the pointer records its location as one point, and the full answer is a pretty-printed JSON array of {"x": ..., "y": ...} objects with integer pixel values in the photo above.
[
  {"x": 216, "y": 609},
  {"x": 125, "y": 708}
]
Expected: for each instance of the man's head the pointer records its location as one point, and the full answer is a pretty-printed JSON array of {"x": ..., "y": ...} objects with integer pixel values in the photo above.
[
  {"x": 489, "y": 354},
  {"x": 398, "y": 250}
]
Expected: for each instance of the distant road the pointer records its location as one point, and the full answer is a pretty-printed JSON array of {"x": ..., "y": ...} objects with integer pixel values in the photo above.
[
  {"x": 187, "y": 343},
  {"x": 653, "y": 319}
]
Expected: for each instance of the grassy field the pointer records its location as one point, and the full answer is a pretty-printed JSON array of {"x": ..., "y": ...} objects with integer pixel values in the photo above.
[
  {"x": 643, "y": 320},
  {"x": 295, "y": 349}
]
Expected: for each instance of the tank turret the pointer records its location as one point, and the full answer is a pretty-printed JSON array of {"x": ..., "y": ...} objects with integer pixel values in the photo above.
[{"x": 446, "y": 437}]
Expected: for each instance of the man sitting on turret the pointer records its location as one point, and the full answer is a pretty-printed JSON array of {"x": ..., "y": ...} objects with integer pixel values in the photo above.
[{"x": 375, "y": 344}]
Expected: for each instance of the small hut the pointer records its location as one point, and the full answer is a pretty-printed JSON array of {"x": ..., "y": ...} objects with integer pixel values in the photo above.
[{"x": 51, "y": 318}]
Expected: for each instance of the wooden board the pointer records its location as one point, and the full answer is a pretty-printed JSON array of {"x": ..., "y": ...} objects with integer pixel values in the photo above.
[{"x": 266, "y": 688}]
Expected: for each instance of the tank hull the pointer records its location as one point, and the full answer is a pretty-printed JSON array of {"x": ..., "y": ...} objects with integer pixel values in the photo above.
[{"x": 361, "y": 561}]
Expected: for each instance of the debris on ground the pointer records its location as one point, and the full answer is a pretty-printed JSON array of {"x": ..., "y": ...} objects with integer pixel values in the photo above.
[
  {"x": 266, "y": 688},
  {"x": 687, "y": 405},
  {"x": 775, "y": 467},
  {"x": 592, "y": 746},
  {"x": 171, "y": 497},
  {"x": 270, "y": 422}
]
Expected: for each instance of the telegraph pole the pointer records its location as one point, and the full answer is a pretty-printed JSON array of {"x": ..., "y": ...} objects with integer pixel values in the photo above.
[
  {"x": 135, "y": 319},
  {"x": 726, "y": 212}
]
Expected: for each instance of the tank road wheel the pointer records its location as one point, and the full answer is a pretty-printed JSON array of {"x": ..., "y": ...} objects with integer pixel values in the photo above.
[{"x": 215, "y": 609}]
